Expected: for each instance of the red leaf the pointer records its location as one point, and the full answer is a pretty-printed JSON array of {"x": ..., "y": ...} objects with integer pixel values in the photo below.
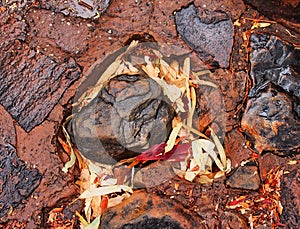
[{"x": 157, "y": 152}]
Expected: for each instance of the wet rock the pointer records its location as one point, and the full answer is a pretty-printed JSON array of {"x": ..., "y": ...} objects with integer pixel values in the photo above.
[
  {"x": 144, "y": 210},
  {"x": 233, "y": 90},
  {"x": 32, "y": 83},
  {"x": 17, "y": 181},
  {"x": 282, "y": 11},
  {"x": 268, "y": 162},
  {"x": 154, "y": 174},
  {"x": 83, "y": 8},
  {"x": 235, "y": 148},
  {"x": 204, "y": 200},
  {"x": 272, "y": 122},
  {"x": 290, "y": 197},
  {"x": 209, "y": 33},
  {"x": 38, "y": 149},
  {"x": 274, "y": 61},
  {"x": 245, "y": 177},
  {"x": 129, "y": 115},
  {"x": 210, "y": 108},
  {"x": 7, "y": 128},
  {"x": 236, "y": 220}
]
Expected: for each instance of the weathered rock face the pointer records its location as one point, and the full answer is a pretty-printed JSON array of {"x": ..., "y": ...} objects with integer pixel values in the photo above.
[
  {"x": 17, "y": 181},
  {"x": 245, "y": 177},
  {"x": 144, "y": 210},
  {"x": 31, "y": 83},
  {"x": 272, "y": 115},
  {"x": 274, "y": 61},
  {"x": 210, "y": 34},
  {"x": 271, "y": 121},
  {"x": 129, "y": 115}
]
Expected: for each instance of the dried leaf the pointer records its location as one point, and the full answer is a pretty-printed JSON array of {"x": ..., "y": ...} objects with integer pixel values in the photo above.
[
  {"x": 190, "y": 175},
  {"x": 104, "y": 191},
  {"x": 88, "y": 209},
  {"x": 172, "y": 137},
  {"x": 189, "y": 128},
  {"x": 260, "y": 25},
  {"x": 204, "y": 82},
  {"x": 86, "y": 98},
  {"x": 187, "y": 67},
  {"x": 72, "y": 161},
  {"x": 203, "y": 179},
  {"x": 81, "y": 219},
  {"x": 94, "y": 225},
  {"x": 219, "y": 147},
  {"x": 192, "y": 109},
  {"x": 115, "y": 201}
]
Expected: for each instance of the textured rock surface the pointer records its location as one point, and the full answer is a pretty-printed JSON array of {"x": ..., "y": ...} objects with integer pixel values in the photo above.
[
  {"x": 144, "y": 210},
  {"x": 272, "y": 122},
  {"x": 245, "y": 177},
  {"x": 31, "y": 83},
  {"x": 274, "y": 61},
  {"x": 210, "y": 34},
  {"x": 129, "y": 115},
  {"x": 17, "y": 181}
]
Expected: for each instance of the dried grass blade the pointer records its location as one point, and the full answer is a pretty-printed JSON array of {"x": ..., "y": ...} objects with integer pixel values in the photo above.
[
  {"x": 189, "y": 128},
  {"x": 220, "y": 148},
  {"x": 172, "y": 138},
  {"x": 193, "y": 106},
  {"x": 94, "y": 225},
  {"x": 72, "y": 160},
  {"x": 104, "y": 191},
  {"x": 204, "y": 82}
]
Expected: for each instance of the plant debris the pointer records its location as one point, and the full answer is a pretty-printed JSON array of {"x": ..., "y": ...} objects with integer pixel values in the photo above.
[
  {"x": 263, "y": 207},
  {"x": 196, "y": 153}
]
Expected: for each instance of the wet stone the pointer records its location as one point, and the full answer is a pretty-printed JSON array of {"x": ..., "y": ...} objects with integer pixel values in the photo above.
[
  {"x": 144, "y": 210},
  {"x": 129, "y": 116},
  {"x": 17, "y": 181},
  {"x": 245, "y": 177},
  {"x": 209, "y": 33},
  {"x": 154, "y": 174},
  {"x": 31, "y": 83},
  {"x": 290, "y": 198},
  {"x": 272, "y": 122},
  {"x": 274, "y": 61}
]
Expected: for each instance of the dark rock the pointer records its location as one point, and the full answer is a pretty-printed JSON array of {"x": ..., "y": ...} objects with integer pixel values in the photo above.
[
  {"x": 129, "y": 115},
  {"x": 210, "y": 34},
  {"x": 271, "y": 121},
  {"x": 235, "y": 220},
  {"x": 7, "y": 128},
  {"x": 235, "y": 148},
  {"x": 274, "y": 61},
  {"x": 144, "y": 210},
  {"x": 290, "y": 197},
  {"x": 154, "y": 174},
  {"x": 282, "y": 11},
  {"x": 245, "y": 177},
  {"x": 32, "y": 83},
  {"x": 17, "y": 181}
]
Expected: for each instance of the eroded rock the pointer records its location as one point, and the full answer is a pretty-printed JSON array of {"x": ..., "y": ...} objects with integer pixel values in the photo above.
[
  {"x": 272, "y": 122},
  {"x": 129, "y": 115},
  {"x": 209, "y": 33},
  {"x": 245, "y": 177},
  {"x": 146, "y": 210},
  {"x": 17, "y": 181},
  {"x": 274, "y": 61}
]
